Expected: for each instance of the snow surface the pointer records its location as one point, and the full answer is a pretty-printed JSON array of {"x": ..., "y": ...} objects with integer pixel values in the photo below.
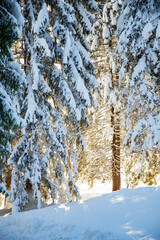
[{"x": 123, "y": 215}]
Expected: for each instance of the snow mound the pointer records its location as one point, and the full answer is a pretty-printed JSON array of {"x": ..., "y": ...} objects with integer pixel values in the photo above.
[{"x": 123, "y": 215}]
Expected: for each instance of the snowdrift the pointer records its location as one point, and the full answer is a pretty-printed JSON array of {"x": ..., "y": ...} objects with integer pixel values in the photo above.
[{"x": 123, "y": 215}]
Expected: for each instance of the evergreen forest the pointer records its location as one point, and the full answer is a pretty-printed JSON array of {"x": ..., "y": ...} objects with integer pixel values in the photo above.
[{"x": 79, "y": 97}]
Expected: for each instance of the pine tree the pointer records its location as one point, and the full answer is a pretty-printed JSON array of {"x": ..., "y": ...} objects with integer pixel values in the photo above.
[
  {"x": 137, "y": 57},
  {"x": 103, "y": 139},
  {"x": 112, "y": 89},
  {"x": 136, "y": 60},
  {"x": 12, "y": 79},
  {"x": 60, "y": 81}
]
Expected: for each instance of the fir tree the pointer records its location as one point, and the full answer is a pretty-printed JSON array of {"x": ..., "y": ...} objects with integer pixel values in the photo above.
[
  {"x": 60, "y": 81},
  {"x": 104, "y": 135},
  {"x": 137, "y": 58},
  {"x": 11, "y": 80},
  {"x": 112, "y": 96}
]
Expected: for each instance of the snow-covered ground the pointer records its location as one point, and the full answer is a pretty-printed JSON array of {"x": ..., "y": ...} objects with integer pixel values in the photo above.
[
  {"x": 122, "y": 215},
  {"x": 97, "y": 190}
]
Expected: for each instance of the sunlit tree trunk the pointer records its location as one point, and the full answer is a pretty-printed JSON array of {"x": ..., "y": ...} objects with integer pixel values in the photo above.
[
  {"x": 116, "y": 175},
  {"x": 69, "y": 154}
]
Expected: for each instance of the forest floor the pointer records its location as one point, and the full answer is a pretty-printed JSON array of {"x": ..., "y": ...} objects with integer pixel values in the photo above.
[
  {"x": 86, "y": 193},
  {"x": 128, "y": 214}
]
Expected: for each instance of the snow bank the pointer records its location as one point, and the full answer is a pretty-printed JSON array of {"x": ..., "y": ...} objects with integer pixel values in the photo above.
[{"x": 126, "y": 214}]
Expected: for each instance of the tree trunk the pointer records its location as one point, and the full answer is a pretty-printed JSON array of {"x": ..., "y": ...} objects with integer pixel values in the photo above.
[
  {"x": 69, "y": 154},
  {"x": 92, "y": 183},
  {"x": 116, "y": 175}
]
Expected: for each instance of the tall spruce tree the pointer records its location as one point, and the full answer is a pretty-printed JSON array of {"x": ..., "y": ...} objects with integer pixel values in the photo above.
[
  {"x": 60, "y": 82},
  {"x": 104, "y": 135},
  {"x": 137, "y": 57},
  {"x": 137, "y": 166},
  {"x": 11, "y": 81},
  {"x": 112, "y": 97}
]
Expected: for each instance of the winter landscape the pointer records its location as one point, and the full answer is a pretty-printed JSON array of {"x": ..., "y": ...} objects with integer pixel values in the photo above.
[
  {"x": 123, "y": 215},
  {"x": 80, "y": 119}
]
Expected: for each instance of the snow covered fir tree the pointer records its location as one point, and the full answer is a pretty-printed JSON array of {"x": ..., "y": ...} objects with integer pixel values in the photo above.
[
  {"x": 113, "y": 26},
  {"x": 138, "y": 64},
  {"x": 59, "y": 87},
  {"x": 79, "y": 95},
  {"x": 11, "y": 80},
  {"x": 107, "y": 132}
]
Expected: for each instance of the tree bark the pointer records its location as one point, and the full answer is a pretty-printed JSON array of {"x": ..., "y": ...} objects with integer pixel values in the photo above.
[
  {"x": 69, "y": 154},
  {"x": 92, "y": 183},
  {"x": 116, "y": 175}
]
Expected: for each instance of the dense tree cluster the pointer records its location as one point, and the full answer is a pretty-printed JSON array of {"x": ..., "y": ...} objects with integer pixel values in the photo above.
[
  {"x": 130, "y": 88},
  {"x": 96, "y": 162},
  {"x": 44, "y": 107}
]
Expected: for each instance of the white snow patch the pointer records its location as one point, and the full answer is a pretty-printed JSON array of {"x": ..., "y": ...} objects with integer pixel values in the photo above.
[
  {"x": 158, "y": 30},
  {"x": 126, "y": 214},
  {"x": 43, "y": 19}
]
